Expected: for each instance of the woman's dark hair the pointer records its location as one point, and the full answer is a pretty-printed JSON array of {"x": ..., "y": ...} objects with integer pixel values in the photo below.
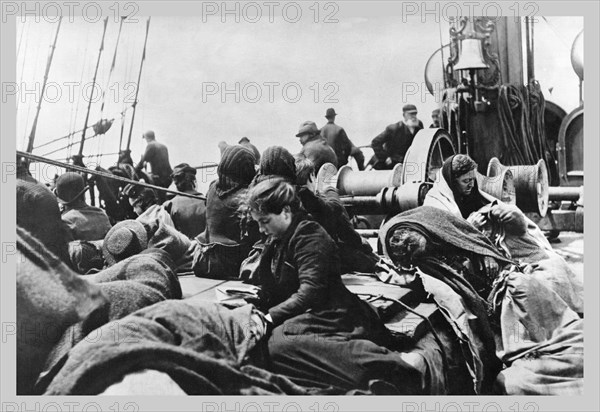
[
  {"x": 304, "y": 169},
  {"x": 271, "y": 196}
]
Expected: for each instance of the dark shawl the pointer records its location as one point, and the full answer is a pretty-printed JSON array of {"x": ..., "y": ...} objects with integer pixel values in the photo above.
[
  {"x": 277, "y": 161},
  {"x": 442, "y": 229},
  {"x": 235, "y": 170}
]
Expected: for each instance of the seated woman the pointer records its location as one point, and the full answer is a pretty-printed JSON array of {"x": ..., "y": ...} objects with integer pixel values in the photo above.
[
  {"x": 276, "y": 161},
  {"x": 456, "y": 189},
  {"x": 227, "y": 240},
  {"x": 323, "y": 334}
]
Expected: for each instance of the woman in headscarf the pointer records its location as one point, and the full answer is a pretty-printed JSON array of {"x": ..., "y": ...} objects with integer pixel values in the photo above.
[
  {"x": 456, "y": 192},
  {"x": 227, "y": 239},
  {"x": 456, "y": 189},
  {"x": 425, "y": 235},
  {"x": 451, "y": 258},
  {"x": 276, "y": 161},
  {"x": 323, "y": 334}
]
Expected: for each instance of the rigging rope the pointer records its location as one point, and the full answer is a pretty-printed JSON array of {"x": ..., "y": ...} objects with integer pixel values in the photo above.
[
  {"x": 36, "y": 66},
  {"x": 560, "y": 37},
  {"x": 521, "y": 113},
  {"x": 41, "y": 159},
  {"x": 73, "y": 143},
  {"x": 24, "y": 56},
  {"x": 135, "y": 101},
  {"x": 73, "y": 122},
  {"x": 21, "y": 38},
  {"x": 112, "y": 66},
  {"x": 128, "y": 66},
  {"x": 537, "y": 109}
]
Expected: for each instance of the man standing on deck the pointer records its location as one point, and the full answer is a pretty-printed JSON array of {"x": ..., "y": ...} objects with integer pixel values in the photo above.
[
  {"x": 314, "y": 146},
  {"x": 338, "y": 139},
  {"x": 391, "y": 145},
  {"x": 157, "y": 155},
  {"x": 435, "y": 118}
]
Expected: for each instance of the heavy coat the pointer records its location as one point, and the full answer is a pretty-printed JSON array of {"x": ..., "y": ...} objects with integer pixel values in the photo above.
[
  {"x": 342, "y": 145},
  {"x": 319, "y": 152},
  {"x": 393, "y": 142},
  {"x": 188, "y": 214},
  {"x": 328, "y": 210},
  {"x": 157, "y": 155},
  {"x": 226, "y": 242},
  {"x": 300, "y": 277},
  {"x": 86, "y": 223}
]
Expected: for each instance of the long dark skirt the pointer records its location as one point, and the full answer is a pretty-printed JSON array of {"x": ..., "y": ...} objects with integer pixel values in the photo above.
[{"x": 343, "y": 348}]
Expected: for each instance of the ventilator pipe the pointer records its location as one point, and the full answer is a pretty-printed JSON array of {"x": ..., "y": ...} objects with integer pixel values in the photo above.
[
  {"x": 368, "y": 233},
  {"x": 390, "y": 200},
  {"x": 531, "y": 184},
  {"x": 502, "y": 186},
  {"x": 569, "y": 193},
  {"x": 367, "y": 183}
]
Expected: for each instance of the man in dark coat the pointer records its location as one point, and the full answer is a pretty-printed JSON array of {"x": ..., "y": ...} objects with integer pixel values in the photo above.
[
  {"x": 435, "y": 119},
  {"x": 338, "y": 139},
  {"x": 391, "y": 145},
  {"x": 157, "y": 155},
  {"x": 314, "y": 146}
]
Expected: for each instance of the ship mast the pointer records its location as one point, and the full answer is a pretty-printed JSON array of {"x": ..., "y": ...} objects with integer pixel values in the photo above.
[
  {"x": 138, "y": 87},
  {"x": 78, "y": 159},
  {"x": 39, "y": 106}
]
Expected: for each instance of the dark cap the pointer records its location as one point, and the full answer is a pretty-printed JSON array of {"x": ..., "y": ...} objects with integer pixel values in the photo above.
[
  {"x": 409, "y": 108},
  {"x": 330, "y": 113},
  {"x": 69, "y": 187},
  {"x": 125, "y": 239},
  {"x": 183, "y": 168}
]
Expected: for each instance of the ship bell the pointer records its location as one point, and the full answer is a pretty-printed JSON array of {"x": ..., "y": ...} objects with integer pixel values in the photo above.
[{"x": 471, "y": 55}]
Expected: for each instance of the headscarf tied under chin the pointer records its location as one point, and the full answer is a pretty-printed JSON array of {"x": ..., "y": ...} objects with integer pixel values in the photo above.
[
  {"x": 235, "y": 170},
  {"x": 467, "y": 204}
]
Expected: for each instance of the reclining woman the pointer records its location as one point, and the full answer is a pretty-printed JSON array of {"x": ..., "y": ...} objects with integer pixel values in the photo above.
[{"x": 323, "y": 334}]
